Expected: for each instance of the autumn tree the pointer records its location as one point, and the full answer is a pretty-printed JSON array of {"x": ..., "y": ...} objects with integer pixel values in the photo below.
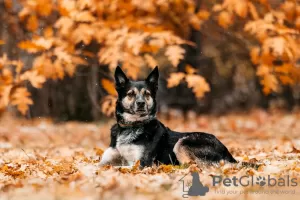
[{"x": 62, "y": 35}]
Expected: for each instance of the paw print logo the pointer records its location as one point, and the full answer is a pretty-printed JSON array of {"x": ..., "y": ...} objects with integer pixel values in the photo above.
[{"x": 261, "y": 181}]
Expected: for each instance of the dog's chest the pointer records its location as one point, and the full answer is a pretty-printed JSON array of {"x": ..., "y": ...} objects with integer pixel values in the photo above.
[{"x": 129, "y": 151}]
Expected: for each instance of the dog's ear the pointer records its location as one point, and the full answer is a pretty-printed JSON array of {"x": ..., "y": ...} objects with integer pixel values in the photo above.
[
  {"x": 120, "y": 77},
  {"x": 152, "y": 79}
]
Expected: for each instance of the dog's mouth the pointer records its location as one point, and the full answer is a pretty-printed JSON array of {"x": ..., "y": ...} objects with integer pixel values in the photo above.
[{"x": 141, "y": 111}]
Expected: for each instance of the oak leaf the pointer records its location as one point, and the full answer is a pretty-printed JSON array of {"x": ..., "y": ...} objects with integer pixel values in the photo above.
[
  {"x": 29, "y": 46},
  {"x": 268, "y": 80},
  {"x": 151, "y": 62},
  {"x": 21, "y": 98},
  {"x": 5, "y": 91},
  {"x": 34, "y": 78},
  {"x": 175, "y": 53},
  {"x": 108, "y": 105},
  {"x": 84, "y": 16},
  {"x": 254, "y": 54},
  {"x": 241, "y": 8},
  {"x": 175, "y": 79},
  {"x": 44, "y": 8},
  {"x": 32, "y": 23},
  {"x": 83, "y": 33},
  {"x": 190, "y": 70},
  {"x": 109, "y": 87},
  {"x": 64, "y": 24},
  {"x": 198, "y": 85},
  {"x": 6, "y": 77},
  {"x": 225, "y": 19}
]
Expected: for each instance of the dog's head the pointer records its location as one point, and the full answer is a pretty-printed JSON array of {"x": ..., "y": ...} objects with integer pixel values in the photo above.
[{"x": 136, "y": 99}]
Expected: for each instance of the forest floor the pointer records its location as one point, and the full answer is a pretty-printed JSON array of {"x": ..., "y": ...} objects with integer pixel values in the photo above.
[{"x": 41, "y": 159}]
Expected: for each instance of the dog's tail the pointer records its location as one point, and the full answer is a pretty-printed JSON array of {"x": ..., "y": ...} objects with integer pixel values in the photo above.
[{"x": 229, "y": 157}]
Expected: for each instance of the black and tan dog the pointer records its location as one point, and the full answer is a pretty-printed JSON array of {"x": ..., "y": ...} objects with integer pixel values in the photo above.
[{"x": 138, "y": 135}]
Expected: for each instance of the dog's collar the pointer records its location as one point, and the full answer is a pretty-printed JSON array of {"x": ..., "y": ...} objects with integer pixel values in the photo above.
[
  {"x": 134, "y": 124},
  {"x": 123, "y": 125}
]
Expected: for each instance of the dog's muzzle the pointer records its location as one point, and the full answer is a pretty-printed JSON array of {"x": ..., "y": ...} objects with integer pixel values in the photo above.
[{"x": 140, "y": 107}]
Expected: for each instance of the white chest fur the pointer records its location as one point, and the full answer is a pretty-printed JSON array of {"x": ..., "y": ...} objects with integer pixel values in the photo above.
[{"x": 129, "y": 151}]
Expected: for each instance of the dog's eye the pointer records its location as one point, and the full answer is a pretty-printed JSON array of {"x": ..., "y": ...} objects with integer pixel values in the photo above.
[
  {"x": 147, "y": 94},
  {"x": 130, "y": 94}
]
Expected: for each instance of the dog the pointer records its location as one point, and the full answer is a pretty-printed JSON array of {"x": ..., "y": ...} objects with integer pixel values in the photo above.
[{"x": 139, "y": 135}]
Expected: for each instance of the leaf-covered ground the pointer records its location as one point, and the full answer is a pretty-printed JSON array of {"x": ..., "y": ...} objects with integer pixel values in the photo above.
[{"x": 45, "y": 160}]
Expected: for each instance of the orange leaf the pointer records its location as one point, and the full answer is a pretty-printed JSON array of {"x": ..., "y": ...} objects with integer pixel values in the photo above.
[
  {"x": 32, "y": 23},
  {"x": 195, "y": 22},
  {"x": 83, "y": 33},
  {"x": 286, "y": 80},
  {"x": 241, "y": 8},
  {"x": 175, "y": 79},
  {"x": 253, "y": 11},
  {"x": 21, "y": 98},
  {"x": 35, "y": 79},
  {"x": 2, "y": 42},
  {"x": 70, "y": 69},
  {"x": 150, "y": 60},
  {"x": 6, "y": 77},
  {"x": 270, "y": 83},
  {"x": 190, "y": 70},
  {"x": 198, "y": 84},
  {"x": 29, "y": 46},
  {"x": 254, "y": 54},
  {"x": 65, "y": 25},
  {"x": 85, "y": 16},
  {"x": 175, "y": 53},
  {"x": 108, "y": 105},
  {"x": 48, "y": 32},
  {"x": 109, "y": 86},
  {"x": 8, "y": 4},
  {"x": 5, "y": 95},
  {"x": 297, "y": 23},
  {"x": 268, "y": 80},
  {"x": 262, "y": 70},
  {"x": 44, "y": 8},
  {"x": 225, "y": 19},
  {"x": 131, "y": 68},
  {"x": 203, "y": 14}
]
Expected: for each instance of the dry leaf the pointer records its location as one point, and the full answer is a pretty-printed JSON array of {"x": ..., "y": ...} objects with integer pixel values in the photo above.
[
  {"x": 35, "y": 79},
  {"x": 150, "y": 61},
  {"x": 225, "y": 19},
  {"x": 175, "y": 54},
  {"x": 175, "y": 79},
  {"x": 108, "y": 105},
  {"x": 21, "y": 99},
  {"x": 190, "y": 70},
  {"x": 84, "y": 16},
  {"x": 109, "y": 87},
  {"x": 32, "y": 23},
  {"x": 198, "y": 84},
  {"x": 254, "y": 54}
]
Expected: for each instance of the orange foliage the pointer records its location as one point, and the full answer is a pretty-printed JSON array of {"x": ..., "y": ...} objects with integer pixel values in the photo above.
[
  {"x": 129, "y": 33},
  {"x": 138, "y": 34},
  {"x": 277, "y": 33}
]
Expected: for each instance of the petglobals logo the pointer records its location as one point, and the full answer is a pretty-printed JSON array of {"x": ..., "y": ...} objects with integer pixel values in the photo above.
[{"x": 246, "y": 181}]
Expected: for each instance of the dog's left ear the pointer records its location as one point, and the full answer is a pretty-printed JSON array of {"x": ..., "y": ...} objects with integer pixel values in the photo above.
[
  {"x": 152, "y": 79},
  {"x": 120, "y": 77}
]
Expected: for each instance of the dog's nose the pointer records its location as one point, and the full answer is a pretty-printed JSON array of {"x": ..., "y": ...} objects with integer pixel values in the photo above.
[{"x": 140, "y": 104}]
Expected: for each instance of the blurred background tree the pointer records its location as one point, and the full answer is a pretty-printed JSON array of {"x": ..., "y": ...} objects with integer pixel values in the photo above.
[{"x": 214, "y": 56}]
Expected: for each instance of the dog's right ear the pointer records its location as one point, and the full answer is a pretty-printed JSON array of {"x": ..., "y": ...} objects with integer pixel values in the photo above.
[{"x": 120, "y": 77}]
